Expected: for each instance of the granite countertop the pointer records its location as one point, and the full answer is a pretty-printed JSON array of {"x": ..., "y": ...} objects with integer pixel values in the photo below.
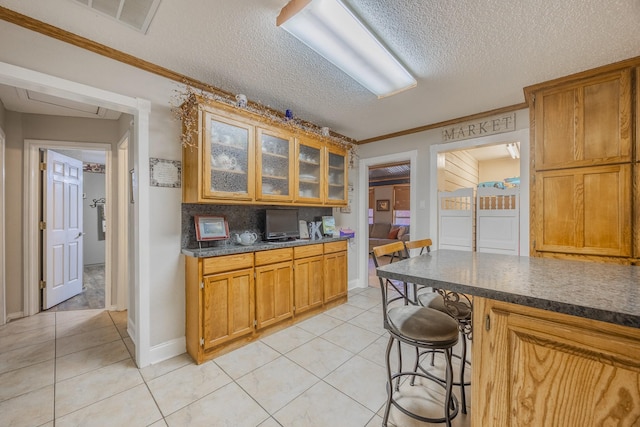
[
  {"x": 233, "y": 248},
  {"x": 605, "y": 292}
]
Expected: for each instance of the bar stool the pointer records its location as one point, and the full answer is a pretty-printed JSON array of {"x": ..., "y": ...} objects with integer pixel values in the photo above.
[
  {"x": 456, "y": 305},
  {"x": 423, "y": 328}
]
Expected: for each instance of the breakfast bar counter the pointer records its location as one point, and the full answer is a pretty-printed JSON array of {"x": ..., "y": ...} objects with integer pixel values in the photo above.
[
  {"x": 605, "y": 292},
  {"x": 555, "y": 342}
]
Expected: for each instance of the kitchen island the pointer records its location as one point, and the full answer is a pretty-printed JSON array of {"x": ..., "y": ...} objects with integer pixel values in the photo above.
[{"x": 556, "y": 342}]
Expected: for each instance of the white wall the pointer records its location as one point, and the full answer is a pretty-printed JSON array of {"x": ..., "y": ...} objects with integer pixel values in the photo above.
[
  {"x": 166, "y": 273},
  {"x": 93, "y": 188}
]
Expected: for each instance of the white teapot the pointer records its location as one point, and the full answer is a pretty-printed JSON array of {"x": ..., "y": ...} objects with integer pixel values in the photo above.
[{"x": 247, "y": 238}]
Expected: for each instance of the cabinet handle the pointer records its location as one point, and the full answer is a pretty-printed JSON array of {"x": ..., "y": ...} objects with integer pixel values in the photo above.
[{"x": 487, "y": 322}]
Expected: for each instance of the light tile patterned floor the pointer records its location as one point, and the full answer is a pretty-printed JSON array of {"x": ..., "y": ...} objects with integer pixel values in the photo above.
[{"x": 74, "y": 368}]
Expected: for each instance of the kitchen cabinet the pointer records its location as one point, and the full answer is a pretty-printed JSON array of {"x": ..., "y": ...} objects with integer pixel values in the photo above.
[
  {"x": 335, "y": 270},
  {"x": 308, "y": 275},
  {"x": 540, "y": 368},
  {"x": 243, "y": 158},
  {"x": 584, "y": 210},
  {"x": 336, "y": 176},
  {"x": 233, "y": 299},
  {"x": 220, "y": 297},
  {"x": 225, "y": 167},
  {"x": 275, "y": 151},
  {"x": 309, "y": 173},
  {"x": 582, "y": 166},
  {"x": 274, "y": 286},
  {"x": 584, "y": 123}
]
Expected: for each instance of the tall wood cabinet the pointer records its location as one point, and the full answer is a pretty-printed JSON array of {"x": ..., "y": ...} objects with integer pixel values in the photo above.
[
  {"x": 583, "y": 166},
  {"x": 242, "y": 158}
]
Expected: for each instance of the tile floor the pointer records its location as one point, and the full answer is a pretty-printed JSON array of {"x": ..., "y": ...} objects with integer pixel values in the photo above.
[
  {"x": 92, "y": 295},
  {"x": 74, "y": 368}
]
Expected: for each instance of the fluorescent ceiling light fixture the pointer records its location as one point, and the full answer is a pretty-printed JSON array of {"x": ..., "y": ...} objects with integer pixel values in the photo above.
[
  {"x": 332, "y": 30},
  {"x": 513, "y": 150}
]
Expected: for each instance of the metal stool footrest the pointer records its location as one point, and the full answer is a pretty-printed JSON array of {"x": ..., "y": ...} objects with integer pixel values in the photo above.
[{"x": 454, "y": 406}]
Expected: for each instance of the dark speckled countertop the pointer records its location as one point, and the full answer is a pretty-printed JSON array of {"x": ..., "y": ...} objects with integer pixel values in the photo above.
[
  {"x": 605, "y": 292},
  {"x": 233, "y": 248}
]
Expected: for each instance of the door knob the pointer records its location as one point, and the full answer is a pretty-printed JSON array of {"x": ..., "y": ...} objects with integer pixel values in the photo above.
[{"x": 80, "y": 234}]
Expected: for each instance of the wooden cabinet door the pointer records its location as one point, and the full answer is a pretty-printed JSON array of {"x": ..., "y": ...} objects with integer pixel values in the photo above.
[
  {"x": 228, "y": 310},
  {"x": 309, "y": 171},
  {"x": 308, "y": 283},
  {"x": 335, "y": 275},
  {"x": 537, "y": 368},
  {"x": 227, "y": 158},
  {"x": 584, "y": 123},
  {"x": 336, "y": 179},
  {"x": 584, "y": 211},
  {"x": 274, "y": 293},
  {"x": 274, "y": 154}
]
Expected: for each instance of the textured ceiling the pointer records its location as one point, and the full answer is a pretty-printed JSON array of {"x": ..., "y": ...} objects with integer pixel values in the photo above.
[{"x": 468, "y": 57}]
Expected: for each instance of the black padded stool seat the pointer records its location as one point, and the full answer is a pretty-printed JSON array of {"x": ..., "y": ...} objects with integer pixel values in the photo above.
[{"x": 417, "y": 324}]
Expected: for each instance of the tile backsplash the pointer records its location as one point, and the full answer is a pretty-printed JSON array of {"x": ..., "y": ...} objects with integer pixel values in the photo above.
[{"x": 239, "y": 218}]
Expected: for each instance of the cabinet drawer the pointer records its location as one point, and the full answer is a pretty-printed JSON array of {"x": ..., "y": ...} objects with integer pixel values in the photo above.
[
  {"x": 223, "y": 263},
  {"x": 274, "y": 255},
  {"x": 307, "y": 251},
  {"x": 335, "y": 246}
]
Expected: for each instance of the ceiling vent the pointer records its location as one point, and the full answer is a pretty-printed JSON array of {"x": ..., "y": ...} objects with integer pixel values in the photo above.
[{"x": 136, "y": 14}]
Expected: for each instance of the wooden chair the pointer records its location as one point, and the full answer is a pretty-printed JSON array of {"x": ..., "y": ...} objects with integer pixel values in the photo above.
[
  {"x": 458, "y": 306},
  {"x": 423, "y": 328}
]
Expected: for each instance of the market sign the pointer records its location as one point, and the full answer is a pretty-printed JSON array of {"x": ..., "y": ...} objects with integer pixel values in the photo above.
[{"x": 478, "y": 128}]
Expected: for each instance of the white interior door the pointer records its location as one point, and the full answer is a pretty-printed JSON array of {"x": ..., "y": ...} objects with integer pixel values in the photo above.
[{"x": 63, "y": 236}]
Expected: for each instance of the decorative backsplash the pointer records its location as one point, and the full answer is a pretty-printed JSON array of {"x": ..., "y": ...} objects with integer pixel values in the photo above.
[{"x": 239, "y": 217}]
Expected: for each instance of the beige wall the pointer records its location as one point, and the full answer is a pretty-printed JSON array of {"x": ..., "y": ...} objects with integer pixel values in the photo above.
[
  {"x": 498, "y": 169},
  {"x": 384, "y": 192},
  {"x": 19, "y": 127}
]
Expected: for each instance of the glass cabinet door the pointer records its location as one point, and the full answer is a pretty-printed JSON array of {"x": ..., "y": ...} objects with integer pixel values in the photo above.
[
  {"x": 309, "y": 167},
  {"x": 274, "y": 155},
  {"x": 336, "y": 177},
  {"x": 228, "y": 159}
]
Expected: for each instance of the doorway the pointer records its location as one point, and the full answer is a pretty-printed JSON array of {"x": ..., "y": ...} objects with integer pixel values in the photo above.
[
  {"x": 32, "y": 213},
  {"x": 362, "y": 235},
  {"x": 437, "y": 153},
  {"x": 94, "y": 236},
  {"x": 138, "y": 313},
  {"x": 389, "y": 208}
]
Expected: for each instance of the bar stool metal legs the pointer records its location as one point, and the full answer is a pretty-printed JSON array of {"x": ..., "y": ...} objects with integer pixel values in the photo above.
[{"x": 423, "y": 328}]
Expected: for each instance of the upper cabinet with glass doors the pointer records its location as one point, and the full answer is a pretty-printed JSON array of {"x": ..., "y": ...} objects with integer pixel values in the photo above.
[
  {"x": 239, "y": 158},
  {"x": 274, "y": 154},
  {"x": 336, "y": 176},
  {"x": 309, "y": 171},
  {"x": 222, "y": 167}
]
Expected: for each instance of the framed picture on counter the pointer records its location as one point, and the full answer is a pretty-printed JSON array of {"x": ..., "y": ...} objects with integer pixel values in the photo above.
[{"x": 211, "y": 228}]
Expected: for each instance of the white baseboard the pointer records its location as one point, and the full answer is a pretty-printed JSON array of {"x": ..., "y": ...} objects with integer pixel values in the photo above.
[
  {"x": 131, "y": 330},
  {"x": 14, "y": 316},
  {"x": 355, "y": 283},
  {"x": 168, "y": 349}
]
